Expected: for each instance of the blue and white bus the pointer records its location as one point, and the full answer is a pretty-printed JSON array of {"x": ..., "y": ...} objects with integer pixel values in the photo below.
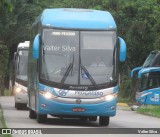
[
  {"x": 148, "y": 80},
  {"x": 149, "y": 86},
  {"x": 153, "y": 60},
  {"x": 73, "y": 65}
]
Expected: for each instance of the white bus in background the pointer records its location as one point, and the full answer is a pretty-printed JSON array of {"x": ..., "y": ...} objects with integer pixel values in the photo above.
[{"x": 21, "y": 78}]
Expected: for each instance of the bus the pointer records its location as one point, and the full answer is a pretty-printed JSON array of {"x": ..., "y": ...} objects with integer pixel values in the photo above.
[
  {"x": 149, "y": 86},
  {"x": 21, "y": 78},
  {"x": 148, "y": 76},
  {"x": 73, "y": 65},
  {"x": 153, "y": 60}
]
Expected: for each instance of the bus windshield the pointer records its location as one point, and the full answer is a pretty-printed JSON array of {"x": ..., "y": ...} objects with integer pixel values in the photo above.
[
  {"x": 143, "y": 82},
  {"x": 149, "y": 80},
  {"x": 22, "y": 61},
  {"x": 149, "y": 60},
  {"x": 78, "y": 57}
]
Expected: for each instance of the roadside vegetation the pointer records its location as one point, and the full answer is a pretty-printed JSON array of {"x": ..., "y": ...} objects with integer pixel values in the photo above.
[
  {"x": 2, "y": 122},
  {"x": 7, "y": 92},
  {"x": 149, "y": 110}
]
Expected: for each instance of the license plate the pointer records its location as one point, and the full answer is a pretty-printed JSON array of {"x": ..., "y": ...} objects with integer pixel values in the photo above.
[{"x": 78, "y": 109}]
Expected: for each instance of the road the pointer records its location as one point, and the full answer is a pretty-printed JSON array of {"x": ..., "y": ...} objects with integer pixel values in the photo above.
[{"x": 124, "y": 119}]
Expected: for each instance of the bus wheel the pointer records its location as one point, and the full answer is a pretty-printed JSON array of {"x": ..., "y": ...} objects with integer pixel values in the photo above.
[
  {"x": 19, "y": 106},
  {"x": 32, "y": 114},
  {"x": 41, "y": 118},
  {"x": 104, "y": 120},
  {"x": 93, "y": 118}
]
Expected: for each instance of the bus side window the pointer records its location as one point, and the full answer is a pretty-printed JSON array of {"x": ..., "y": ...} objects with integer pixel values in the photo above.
[
  {"x": 153, "y": 83},
  {"x": 157, "y": 61}
]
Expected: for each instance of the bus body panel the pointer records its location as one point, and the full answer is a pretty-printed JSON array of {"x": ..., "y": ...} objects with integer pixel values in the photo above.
[
  {"x": 149, "y": 97},
  {"x": 97, "y": 106},
  {"x": 78, "y": 94},
  {"x": 77, "y": 19},
  {"x": 56, "y": 108}
]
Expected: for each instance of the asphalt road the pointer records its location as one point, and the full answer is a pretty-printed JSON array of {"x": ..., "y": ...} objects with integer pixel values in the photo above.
[{"x": 124, "y": 119}]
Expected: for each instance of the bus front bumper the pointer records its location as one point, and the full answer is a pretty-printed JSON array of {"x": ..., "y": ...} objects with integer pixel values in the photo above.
[
  {"x": 52, "y": 107},
  {"x": 20, "y": 95}
]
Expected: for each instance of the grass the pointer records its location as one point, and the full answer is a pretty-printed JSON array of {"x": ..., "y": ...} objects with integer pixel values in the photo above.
[
  {"x": 7, "y": 92},
  {"x": 149, "y": 110},
  {"x": 3, "y": 123},
  {"x": 123, "y": 100}
]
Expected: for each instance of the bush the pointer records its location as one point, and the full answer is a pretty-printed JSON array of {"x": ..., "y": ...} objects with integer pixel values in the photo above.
[{"x": 125, "y": 88}]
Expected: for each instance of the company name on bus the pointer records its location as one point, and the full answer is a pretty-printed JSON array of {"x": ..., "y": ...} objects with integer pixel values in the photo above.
[{"x": 89, "y": 93}]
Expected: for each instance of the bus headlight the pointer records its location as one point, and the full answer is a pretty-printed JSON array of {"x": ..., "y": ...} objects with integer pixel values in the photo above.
[
  {"x": 110, "y": 97},
  {"x": 19, "y": 90},
  {"x": 47, "y": 94}
]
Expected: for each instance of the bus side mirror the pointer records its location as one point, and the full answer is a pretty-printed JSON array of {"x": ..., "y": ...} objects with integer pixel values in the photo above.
[
  {"x": 35, "y": 48},
  {"x": 135, "y": 70},
  {"x": 122, "y": 55}
]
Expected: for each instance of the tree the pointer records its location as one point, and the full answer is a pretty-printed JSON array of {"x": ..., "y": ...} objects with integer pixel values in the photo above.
[
  {"x": 3, "y": 66},
  {"x": 5, "y": 9}
]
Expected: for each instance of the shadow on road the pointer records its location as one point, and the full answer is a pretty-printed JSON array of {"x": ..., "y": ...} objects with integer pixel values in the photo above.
[{"x": 71, "y": 122}]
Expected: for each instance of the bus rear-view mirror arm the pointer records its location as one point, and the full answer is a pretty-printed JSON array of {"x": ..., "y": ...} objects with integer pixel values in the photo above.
[{"x": 135, "y": 70}]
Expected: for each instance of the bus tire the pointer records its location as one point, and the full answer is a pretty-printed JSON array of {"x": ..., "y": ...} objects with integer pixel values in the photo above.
[
  {"x": 19, "y": 106},
  {"x": 41, "y": 118},
  {"x": 25, "y": 106},
  {"x": 104, "y": 120},
  {"x": 32, "y": 114}
]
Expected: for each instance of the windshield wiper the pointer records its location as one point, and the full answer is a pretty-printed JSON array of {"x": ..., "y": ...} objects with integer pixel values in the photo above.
[
  {"x": 89, "y": 76},
  {"x": 70, "y": 67}
]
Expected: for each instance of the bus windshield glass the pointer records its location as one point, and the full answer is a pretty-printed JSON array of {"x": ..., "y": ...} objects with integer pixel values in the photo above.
[
  {"x": 143, "y": 82},
  {"x": 149, "y": 60},
  {"x": 78, "y": 57},
  {"x": 149, "y": 80},
  {"x": 22, "y": 61}
]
